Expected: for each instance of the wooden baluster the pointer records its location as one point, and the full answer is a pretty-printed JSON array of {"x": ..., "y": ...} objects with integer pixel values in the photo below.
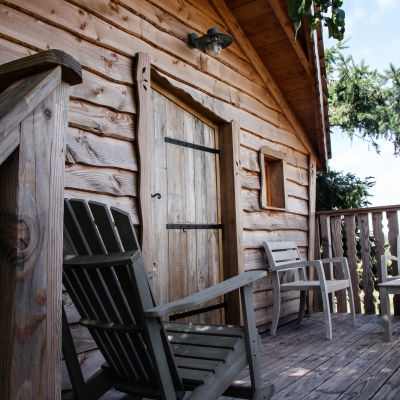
[
  {"x": 379, "y": 240},
  {"x": 366, "y": 264},
  {"x": 337, "y": 245},
  {"x": 317, "y": 256},
  {"x": 393, "y": 225},
  {"x": 327, "y": 251},
  {"x": 350, "y": 224}
]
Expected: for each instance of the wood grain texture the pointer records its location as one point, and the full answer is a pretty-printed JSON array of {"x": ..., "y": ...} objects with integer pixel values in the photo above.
[
  {"x": 115, "y": 58},
  {"x": 102, "y": 121},
  {"x": 142, "y": 86},
  {"x": 393, "y": 226},
  {"x": 71, "y": 70},
  {"x": 231, "y": 216},
  {"x": 369, "y": 305},
  {"x": 116, "y": 182},
  {"x": 38, "y": 247},
  {"x": 337, "y": 247},
  {"x": 379, "y": 240},
  {"x": 90, "y": 149},
  {"x": 23, "y": 96},
  {"x": 312, "y": 196},
  {"x": 350, "y": 225},
  {"x": 252, "y": 55},
  {"x": 287, "y": 25}
]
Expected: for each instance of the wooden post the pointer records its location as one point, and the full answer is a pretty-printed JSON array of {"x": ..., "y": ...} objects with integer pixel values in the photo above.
[
  {"x": 337, "y": 245},
  {"x": 317, "y": 303},
  {"x": 231, "y": 214},
  {"x": 369, "y": 305},
  {"x": 142, "y": 88},
  {"x": 327, "y": 251},
  {"x": 312, "y": 181},
  {"x": 350, "y": 224},
  {"x": 393, "y": 225},
  {"x": 31, "y": 216}
]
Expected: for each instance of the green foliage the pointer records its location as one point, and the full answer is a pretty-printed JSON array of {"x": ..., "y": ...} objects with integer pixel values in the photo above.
[
  {"x": 336, "y": 191},
  {"x": 335, "y": 23},
  {"x": 363, "y": 101}
]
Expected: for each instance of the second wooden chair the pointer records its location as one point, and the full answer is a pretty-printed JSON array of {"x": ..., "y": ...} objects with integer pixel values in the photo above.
[{"x": 283, "y": 256}]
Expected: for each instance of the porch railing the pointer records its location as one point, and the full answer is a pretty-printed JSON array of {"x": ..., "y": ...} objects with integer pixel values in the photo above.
[{"x": 362, "y": 235}]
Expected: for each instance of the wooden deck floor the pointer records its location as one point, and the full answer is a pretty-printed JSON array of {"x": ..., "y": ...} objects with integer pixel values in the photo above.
[{"x": 355, "y": 364}]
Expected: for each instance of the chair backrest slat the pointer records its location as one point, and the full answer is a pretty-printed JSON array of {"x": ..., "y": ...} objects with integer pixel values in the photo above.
[
  {"x": 112, "y": 295},
  {"x": 281, "y": 253}
]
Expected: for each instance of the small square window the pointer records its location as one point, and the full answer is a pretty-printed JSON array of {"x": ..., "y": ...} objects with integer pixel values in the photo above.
[{"x": 273, "y": 179}]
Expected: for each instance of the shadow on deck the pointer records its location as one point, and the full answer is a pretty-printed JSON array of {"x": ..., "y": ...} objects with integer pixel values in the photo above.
[{"x": 355, "y": 364}]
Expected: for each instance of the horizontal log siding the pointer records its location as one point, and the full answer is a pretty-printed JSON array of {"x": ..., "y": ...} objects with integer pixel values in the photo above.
[{"x": 104, "y": 36}]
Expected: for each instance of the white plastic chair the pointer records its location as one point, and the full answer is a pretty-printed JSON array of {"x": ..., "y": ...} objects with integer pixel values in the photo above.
[
  {"x": 389, "y": 285},
  {"x": 283, "y": 256}
]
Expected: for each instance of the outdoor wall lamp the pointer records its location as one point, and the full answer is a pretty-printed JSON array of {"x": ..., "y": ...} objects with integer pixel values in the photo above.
[{"x": 213, "y": 42}]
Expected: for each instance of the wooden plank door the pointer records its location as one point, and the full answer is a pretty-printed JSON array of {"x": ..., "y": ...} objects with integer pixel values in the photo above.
[{"x": 186, "y": 182}]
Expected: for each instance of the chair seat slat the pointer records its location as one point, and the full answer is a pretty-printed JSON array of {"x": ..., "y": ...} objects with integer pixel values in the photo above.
[
  {"x": 202, "y": 340},
  {"x": 193, "y": 376},
  {"x": 218, "y": 330},
  {"x": 200, "y": 352}
]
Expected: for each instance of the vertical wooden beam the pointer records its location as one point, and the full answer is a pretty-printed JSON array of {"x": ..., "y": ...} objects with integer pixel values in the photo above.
[
  {"x": 37, "y": 194},
  {"x": 350, "y": 224},
  {"x": 232, "y": 213},
  {"x": 393, "y": 225},
  {"x": 31, "y": 220},
  {"x": 369, "y": 305},
  {"x": 312, "y": 193},
  {"x": 379, "y": 240},
  {"x": 327, "y": 250},
  {"x": 317, "y": 298},
  {"x": 143, "y": 137},
  {"x": 337, "y": 245}
]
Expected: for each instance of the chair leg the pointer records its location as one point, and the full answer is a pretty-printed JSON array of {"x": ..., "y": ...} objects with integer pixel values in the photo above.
[
  {"x": 277, "y": 302},
  {"x": 385, "y": 311},
  {"x": 351, "y": 301},
  {"x": 325, "y": 304},
  {"x": 302, "y": 306}
]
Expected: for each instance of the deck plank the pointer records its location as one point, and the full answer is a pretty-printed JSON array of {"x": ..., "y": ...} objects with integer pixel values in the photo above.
[{"x": 355, "y": 364}]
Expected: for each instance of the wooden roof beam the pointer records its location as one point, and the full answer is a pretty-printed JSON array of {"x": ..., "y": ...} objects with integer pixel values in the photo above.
[
  {"x": 287, "y": 25},
  {"x": 244, "y": 44}
]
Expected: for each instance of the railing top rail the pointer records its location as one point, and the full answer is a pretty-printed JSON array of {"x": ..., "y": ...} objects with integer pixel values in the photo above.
[
  {"x": 36, "y": 63},
  {"x": 365, "y": 210}
]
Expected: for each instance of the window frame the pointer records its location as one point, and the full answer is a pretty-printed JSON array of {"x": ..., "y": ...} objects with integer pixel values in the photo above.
[{"x": 273, "y": 166}]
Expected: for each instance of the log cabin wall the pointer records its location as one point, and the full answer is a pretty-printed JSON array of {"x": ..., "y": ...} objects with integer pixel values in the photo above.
[{"x": 101, "y": 158}]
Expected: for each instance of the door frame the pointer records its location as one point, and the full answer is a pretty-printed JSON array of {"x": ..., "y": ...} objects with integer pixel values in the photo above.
[{"x": 230, "y": 169}]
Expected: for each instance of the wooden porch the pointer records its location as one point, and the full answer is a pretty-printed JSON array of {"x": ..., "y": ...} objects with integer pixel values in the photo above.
[{"x": 355, "y": 364}]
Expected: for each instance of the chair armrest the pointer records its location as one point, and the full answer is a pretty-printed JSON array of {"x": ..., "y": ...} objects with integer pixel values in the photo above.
[
  {"x": 206, "y": 294},
  {"x": 333, "y": 259},
  {"x": 298, "y": 264},
  {"x": 100, "y": 260}
]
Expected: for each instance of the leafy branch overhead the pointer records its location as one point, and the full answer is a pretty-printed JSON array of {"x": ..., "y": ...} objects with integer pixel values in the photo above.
[
  {"x": 317, "y": 14},
  {"x": 362, "y": 101}
]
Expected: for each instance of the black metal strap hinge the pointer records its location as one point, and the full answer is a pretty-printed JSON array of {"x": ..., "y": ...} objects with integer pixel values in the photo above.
[
  {"x": 194, "y": 226},
  {"x": 193, "y": 146}
]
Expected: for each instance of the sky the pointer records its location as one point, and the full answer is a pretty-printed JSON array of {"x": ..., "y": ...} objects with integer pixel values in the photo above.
[{"x": 373, "y": 27}]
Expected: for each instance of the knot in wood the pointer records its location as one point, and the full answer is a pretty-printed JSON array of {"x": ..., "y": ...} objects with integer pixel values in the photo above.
[{"x": 47, "y": 114}]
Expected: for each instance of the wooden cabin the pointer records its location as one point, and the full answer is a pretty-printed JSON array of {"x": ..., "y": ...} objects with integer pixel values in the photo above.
[{"x": 210, "y": 155}]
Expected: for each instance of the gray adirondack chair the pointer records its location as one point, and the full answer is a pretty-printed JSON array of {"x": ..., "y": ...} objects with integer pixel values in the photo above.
[
  {"x": 389, "y": 285},
  {"x": 283, "y": 256},
  {"x": 105, "y": 276}
]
